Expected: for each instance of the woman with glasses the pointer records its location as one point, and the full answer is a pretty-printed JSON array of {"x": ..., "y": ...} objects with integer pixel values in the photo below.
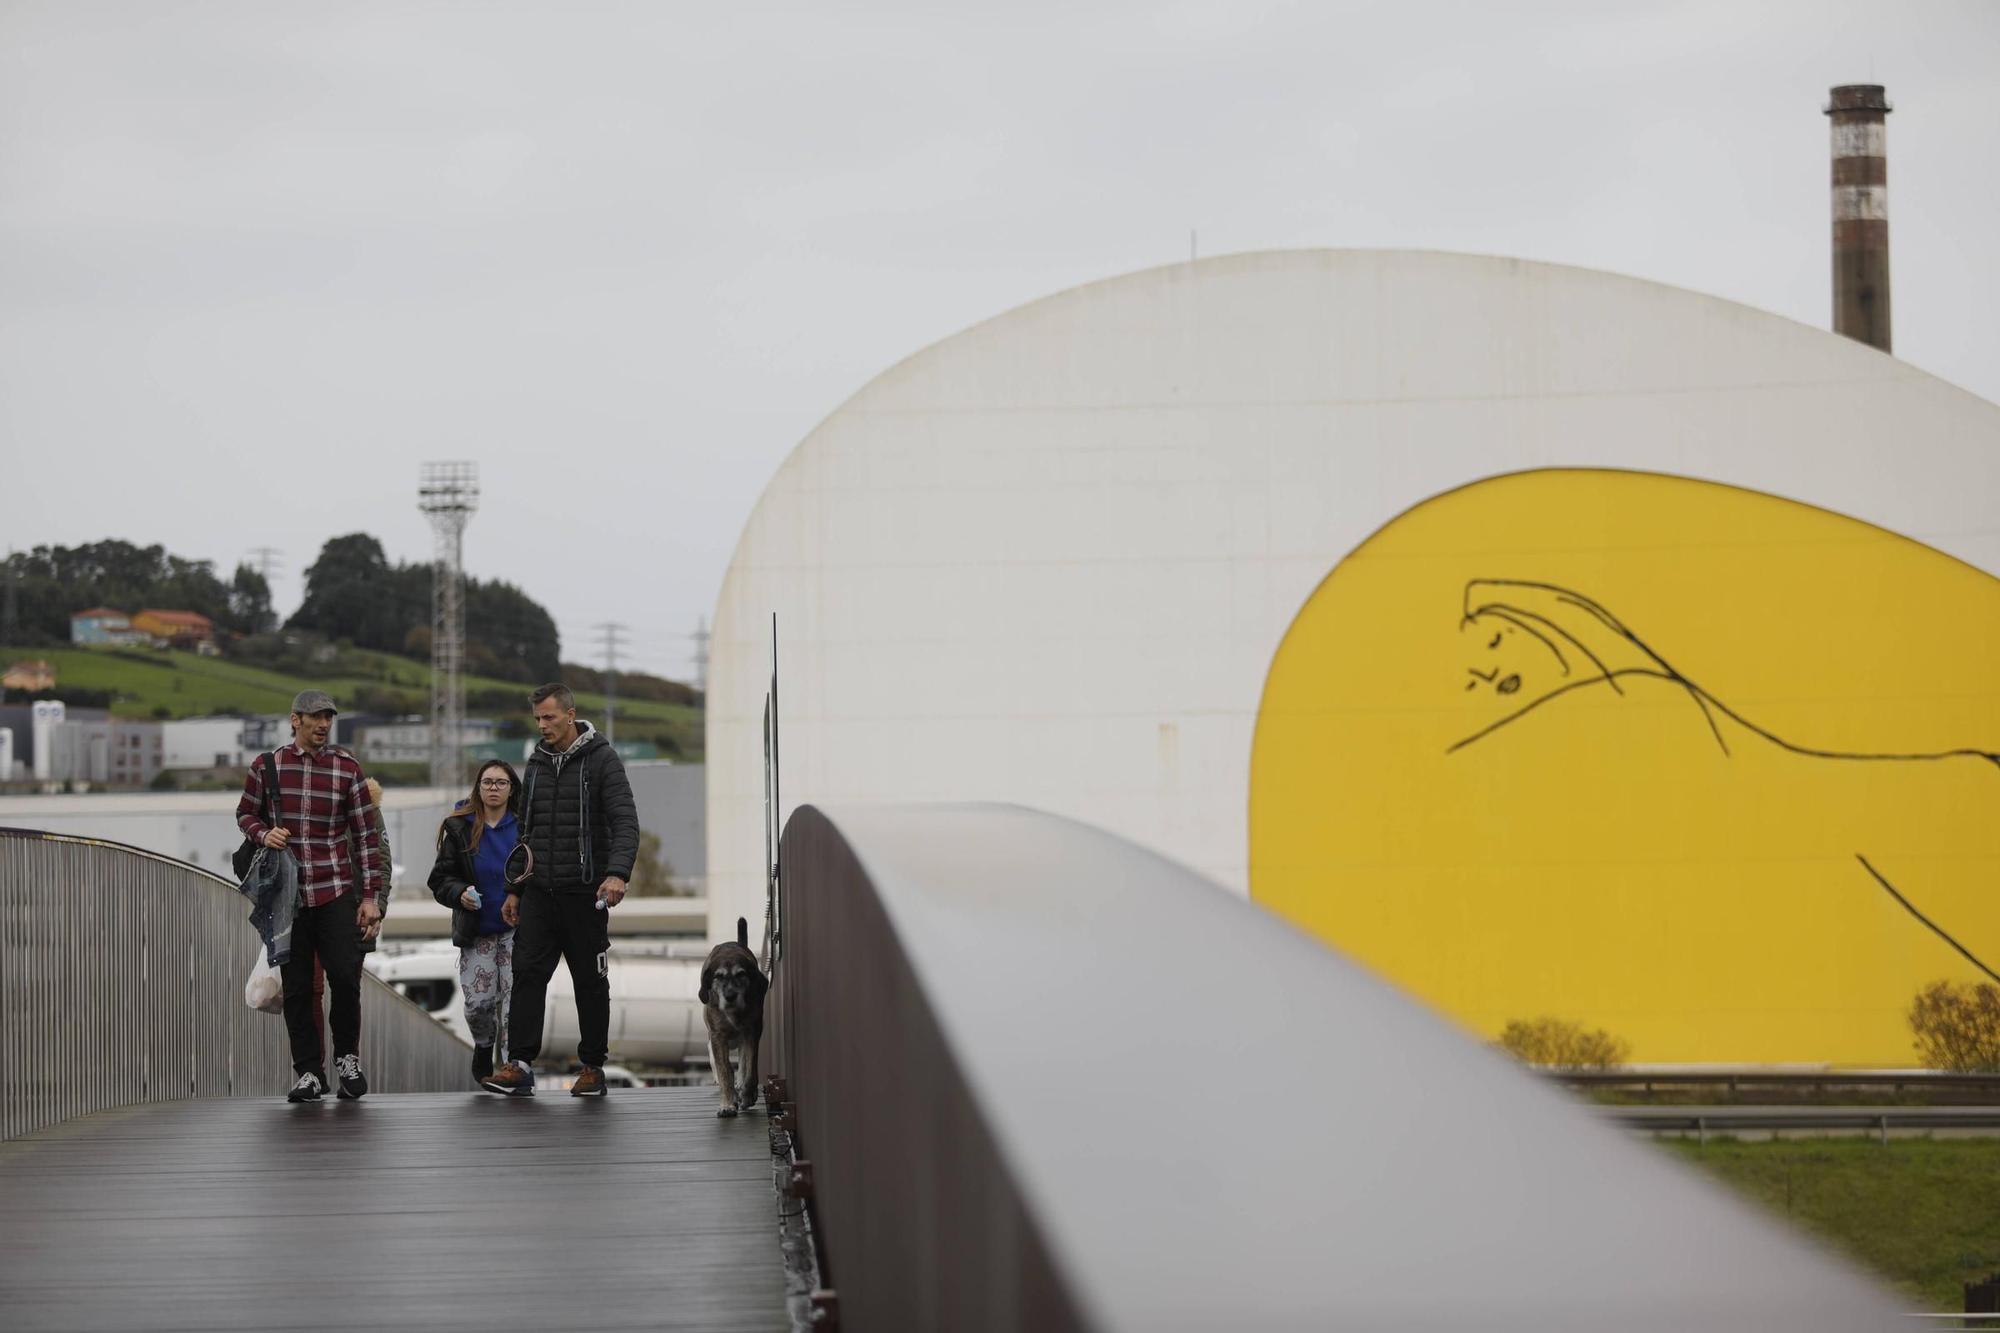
[{"x": 470, "y": 877}]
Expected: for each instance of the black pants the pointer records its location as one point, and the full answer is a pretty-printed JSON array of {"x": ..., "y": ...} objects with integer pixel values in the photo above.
[
  {"x": 566, "y": 926},
  {"x": 331, "y": 934}
]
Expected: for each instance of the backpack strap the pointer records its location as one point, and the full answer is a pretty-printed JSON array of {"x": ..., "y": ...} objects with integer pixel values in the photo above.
[{"x": 268, "y": 800}]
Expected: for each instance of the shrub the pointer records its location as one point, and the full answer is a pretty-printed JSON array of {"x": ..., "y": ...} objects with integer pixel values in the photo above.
[
  {"x": 652, "y": 876},
  {"x": 152, "y": 657},
  {"x": 1561, "y": 1044},
  {"x": 291, "y": 653},
  {"x": 387, "y": 702},
  {"x": 492, "y": 699},
  {"x": 1957, "y": 1027}
]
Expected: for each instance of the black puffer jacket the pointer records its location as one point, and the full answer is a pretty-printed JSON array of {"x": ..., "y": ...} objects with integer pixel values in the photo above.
[
  {"x": 582, "y": 822},
  {"x": 451, "y": 874}
]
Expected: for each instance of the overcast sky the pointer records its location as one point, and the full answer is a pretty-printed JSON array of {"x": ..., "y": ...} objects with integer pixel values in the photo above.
[{"x": 260, "y": 260}]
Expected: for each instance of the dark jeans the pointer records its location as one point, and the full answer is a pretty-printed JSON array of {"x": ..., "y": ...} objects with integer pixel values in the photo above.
[
  {"x": 329, "y": 934},
  {"x": 566, "y": 926}
]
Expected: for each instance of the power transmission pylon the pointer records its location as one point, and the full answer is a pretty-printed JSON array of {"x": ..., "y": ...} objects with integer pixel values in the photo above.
[
  {"x": 610, "y": 630},
  {"x": 448, "y": 493},
  {"x": 268, "y": 559},
  {"x": 701, "y": 637}
]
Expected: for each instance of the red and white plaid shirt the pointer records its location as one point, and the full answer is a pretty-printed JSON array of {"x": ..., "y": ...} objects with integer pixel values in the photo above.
[{"x": 323, "y": 800}]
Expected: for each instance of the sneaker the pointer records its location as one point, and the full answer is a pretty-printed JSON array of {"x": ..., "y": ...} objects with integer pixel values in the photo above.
[
  {"x": 589, "y": 1083},
  {"x": 513, "y": 1078},
  {"x": 482, "y": 1062},
  {"x": 308, "y": 1089},
  {"x": 353, "y": 1083}
]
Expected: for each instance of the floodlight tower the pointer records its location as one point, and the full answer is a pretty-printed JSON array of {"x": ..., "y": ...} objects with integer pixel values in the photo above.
[{"x": 448, "y": 493}]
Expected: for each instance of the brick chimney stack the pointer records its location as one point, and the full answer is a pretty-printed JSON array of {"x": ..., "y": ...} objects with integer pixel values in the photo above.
[{"x": 1860, "y": 213}]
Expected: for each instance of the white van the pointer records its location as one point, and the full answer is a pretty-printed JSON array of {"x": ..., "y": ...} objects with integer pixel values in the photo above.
[{"x": 655, "y": 1010}]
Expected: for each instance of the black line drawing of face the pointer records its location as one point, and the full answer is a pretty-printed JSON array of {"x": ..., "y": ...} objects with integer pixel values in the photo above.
[
  {"x": 1531, "y": 642},
  {"x": 1506, "y": 654}
]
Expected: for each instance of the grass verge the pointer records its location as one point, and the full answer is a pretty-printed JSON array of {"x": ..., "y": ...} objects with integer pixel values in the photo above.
[
  {"x": 147, "y": 683},
  {"x": 1924, "y": 1214}
]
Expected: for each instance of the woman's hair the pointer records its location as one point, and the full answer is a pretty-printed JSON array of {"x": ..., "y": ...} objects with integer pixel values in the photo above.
[{"x": 476, "y": 809}]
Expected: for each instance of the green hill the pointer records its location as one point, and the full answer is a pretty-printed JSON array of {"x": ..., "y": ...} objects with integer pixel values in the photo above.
[{"x": 162, "y": 683}]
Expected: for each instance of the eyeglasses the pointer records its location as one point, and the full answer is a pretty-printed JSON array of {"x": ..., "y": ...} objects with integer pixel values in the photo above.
[{"x": 495, "y": 782}]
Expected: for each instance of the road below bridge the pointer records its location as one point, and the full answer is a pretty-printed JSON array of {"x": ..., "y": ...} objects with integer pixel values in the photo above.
[{"x": 418, "y": 1210}]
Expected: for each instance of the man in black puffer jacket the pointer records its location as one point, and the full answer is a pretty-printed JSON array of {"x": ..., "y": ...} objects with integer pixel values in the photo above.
[{"x": 582, "y": 828}]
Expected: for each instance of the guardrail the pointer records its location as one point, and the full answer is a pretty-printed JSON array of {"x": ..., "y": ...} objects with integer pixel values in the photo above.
[
  {"x": 121, "y": 981},
  {"x": 1043, "y": 1078},
  {"x": 1929, "y": 1081},
  {"x": 1880, "y": 1120}
]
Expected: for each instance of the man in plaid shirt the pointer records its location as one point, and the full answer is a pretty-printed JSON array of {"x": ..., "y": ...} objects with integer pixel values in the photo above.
[{"x": 323, "y": 816}]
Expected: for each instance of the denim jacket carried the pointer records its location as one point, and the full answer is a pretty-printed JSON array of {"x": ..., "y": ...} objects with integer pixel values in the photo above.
[{"x": 272, "y": 886}]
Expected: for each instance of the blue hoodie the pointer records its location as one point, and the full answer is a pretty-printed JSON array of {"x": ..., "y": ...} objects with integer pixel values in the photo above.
[{"x": 489, "y": 872}]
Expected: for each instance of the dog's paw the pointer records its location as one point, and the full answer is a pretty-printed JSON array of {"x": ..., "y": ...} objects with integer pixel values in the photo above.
[
  {"x": 747, "y": 1100},
  {"x": 725, "y": 1112}
]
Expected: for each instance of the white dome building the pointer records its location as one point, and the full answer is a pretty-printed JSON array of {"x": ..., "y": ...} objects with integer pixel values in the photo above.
[{"x": 1054, "y": 558}]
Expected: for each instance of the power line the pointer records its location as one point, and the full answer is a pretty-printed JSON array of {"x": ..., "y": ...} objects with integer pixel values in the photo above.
[
  {"x": 645, "y": 650},
  {"x": 610, "y": 630}
]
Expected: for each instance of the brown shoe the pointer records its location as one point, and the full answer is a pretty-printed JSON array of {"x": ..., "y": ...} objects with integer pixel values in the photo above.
[
  {"x": 589, "y": 1083},
  {"x": 513, "y": 1078}
]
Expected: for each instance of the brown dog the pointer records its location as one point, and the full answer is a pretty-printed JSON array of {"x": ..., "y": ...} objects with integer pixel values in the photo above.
[{"x": 732, "y": 997}]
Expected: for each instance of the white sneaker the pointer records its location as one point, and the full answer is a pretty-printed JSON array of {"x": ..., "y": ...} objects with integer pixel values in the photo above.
[
  {"x": 353, "y": 1083},
  {"x": 307, "y": 1089}
]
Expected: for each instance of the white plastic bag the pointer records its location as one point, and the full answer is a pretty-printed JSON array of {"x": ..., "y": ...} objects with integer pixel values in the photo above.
[{"x": 264, "y": 991}]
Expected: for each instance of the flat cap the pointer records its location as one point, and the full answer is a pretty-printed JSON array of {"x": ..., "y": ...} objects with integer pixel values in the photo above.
[{"x": 313, "y": 701}]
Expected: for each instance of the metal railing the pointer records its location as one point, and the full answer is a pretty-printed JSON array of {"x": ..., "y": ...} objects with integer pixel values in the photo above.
[
  {"x": 1881, "y": 1121},
  {"x": 1040, "y": 1077},
  {"x": 121, "y": 981},
  {"x": 1934, "y": 1083}
]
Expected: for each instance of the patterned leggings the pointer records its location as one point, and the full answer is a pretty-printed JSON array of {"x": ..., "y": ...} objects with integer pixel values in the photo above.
[{"x": 486, "y": 979}]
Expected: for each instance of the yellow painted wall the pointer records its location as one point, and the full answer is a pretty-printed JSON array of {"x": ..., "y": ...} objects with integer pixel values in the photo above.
[{"x": 1622, "y": 749}]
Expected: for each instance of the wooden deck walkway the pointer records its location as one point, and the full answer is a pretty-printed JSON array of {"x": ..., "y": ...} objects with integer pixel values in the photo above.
[{"x": 419, "y": 1210}]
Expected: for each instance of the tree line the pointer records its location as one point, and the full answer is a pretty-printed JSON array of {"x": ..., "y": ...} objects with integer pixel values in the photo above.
[
  {"x": 53, "y": 583},
  {"x": 353, "y": 593}
]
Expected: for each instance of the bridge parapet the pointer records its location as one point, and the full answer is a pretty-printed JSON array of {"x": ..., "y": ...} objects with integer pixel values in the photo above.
[
  {"x": 121, "y": 981},
  {"x": 1048, "y": 1079}
]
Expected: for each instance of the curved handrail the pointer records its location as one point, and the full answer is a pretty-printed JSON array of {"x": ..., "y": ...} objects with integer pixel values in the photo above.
[
  {"x": 45, "y": 835},
  {"x": 1048, "y": 1079},
  {"x": 121, "y": 981}
]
